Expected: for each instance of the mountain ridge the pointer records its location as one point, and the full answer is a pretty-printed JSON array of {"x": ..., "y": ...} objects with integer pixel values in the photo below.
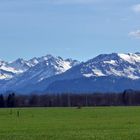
[{"x": 44, "y": 73}]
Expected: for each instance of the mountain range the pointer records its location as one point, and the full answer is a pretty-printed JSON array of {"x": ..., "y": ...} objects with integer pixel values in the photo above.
[{"x": 48, "y": 74}]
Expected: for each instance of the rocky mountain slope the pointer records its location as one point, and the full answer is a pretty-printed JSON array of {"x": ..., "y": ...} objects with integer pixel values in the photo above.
[{"x": 49, "y": 73}]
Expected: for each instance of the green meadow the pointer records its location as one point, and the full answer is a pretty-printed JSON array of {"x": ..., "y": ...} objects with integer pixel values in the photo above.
[{"x": 95, "y": 123}]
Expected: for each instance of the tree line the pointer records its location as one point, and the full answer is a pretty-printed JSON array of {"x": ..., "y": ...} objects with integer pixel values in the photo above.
[{"x": 126, "y": 98}]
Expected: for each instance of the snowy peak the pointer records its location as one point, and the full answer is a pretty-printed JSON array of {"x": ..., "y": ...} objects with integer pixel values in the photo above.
[
  {"x": 20, "y": 65},
  {"x": 130, "y": 57},
  {"x": 116, "y": 64},
  {"x": 44, "y": 67},
  {"x": 26, "y": 74},
  {"x": 6, "y": 72},
  {"x": 122, "y": 65},
  {"x": 56, "y": 64},
  {"x": 47, "y": 66}
]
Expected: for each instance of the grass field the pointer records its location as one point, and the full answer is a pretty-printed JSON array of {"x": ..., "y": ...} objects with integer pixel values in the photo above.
[{"x": 103, "y": 123}]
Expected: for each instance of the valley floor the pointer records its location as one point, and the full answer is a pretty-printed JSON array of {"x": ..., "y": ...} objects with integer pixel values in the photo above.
[{"x": 101, "y": 123}]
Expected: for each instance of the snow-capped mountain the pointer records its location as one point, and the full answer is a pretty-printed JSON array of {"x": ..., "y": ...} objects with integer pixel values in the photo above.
[
  {"x": 49, "y": 72},
  {"x": 9, "y": 70},
  {"x": 123, "y": 65},
  {"x": 119, "y": 71},
  {"x": 20, "y": 65},
  {"x": 47, "y": 66},
  {"x": 38, "y": 69},
  {"x": 6, "y": 72}
]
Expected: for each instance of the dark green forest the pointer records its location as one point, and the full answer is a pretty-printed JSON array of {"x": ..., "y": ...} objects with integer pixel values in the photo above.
[{"x": 126, "y": 98}]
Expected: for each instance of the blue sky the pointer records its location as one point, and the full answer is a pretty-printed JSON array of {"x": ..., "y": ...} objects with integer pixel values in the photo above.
[{"x": 80, "y": 29}]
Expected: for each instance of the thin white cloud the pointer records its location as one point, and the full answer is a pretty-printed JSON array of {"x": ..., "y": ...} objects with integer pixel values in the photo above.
[
  {"x": 135, "y": 34},
  {"x": 136, "y": 8},
  {"x": 73, "y": 1}
]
